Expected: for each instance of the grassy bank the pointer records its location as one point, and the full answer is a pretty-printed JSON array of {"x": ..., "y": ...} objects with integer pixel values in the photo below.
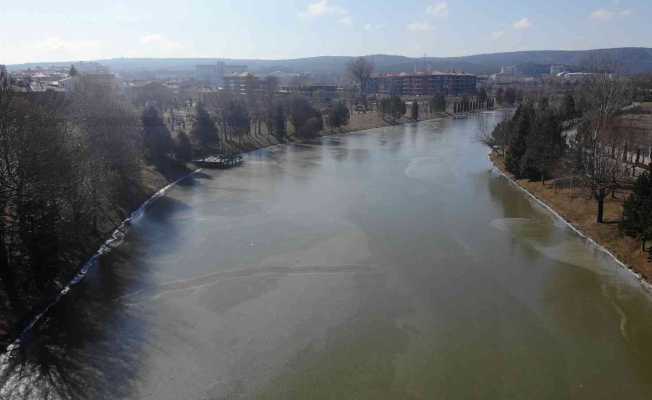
[{"x": 577, "y": 207}]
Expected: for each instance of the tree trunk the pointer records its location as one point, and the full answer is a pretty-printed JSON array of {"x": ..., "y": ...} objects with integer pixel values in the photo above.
[
  {"x": 600, "y": 198},
  {"x": 7, "y": 277}
]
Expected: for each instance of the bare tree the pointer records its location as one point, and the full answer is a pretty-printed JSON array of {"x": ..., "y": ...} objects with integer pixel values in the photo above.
[
  {"x": 596, "y": 146},
  {"x": 360, "y": 70},
  {"x": 4, "y": 79},
  {"x": 497, "y": 137}
]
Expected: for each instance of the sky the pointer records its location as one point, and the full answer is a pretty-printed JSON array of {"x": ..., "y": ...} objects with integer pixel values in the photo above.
[{"x": 67, "y": 30}]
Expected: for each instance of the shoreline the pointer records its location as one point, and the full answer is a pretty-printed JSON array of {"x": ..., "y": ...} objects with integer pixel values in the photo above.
[
  {"x": 154, "y": 188},
  {"x": 580, "y": 229},
  {"x": 114, "y": 241}
]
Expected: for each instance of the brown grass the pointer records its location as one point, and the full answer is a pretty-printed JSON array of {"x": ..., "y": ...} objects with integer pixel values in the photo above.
[{"x": 578, "y": 208}]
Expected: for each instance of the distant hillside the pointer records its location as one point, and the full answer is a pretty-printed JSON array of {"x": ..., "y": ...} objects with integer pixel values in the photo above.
[{"x": 631, "y": 60}]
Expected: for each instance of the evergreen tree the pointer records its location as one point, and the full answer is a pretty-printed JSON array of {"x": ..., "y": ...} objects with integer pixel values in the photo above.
[
  {"x": 544, "y": 146},
  {"x": 521, "y": 125},
  {"x": 511, "y": 96},
  {"x": 438, "y": 103},
  {"x": 279, "y": 122},
  {"x": 204, "y": 131},
  {"x": 306, "y": 120},
  {"x": 338, "y": 115},
  {"x": 637, "y": 210},
  {"x": 393, "y": 107},
  {"x": 183, "y": 148},
  {"x": 156, "y": 136}
]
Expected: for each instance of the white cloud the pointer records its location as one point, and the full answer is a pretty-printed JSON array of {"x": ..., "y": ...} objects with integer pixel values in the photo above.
[
  {"x": 420, "y": 27},
  {"x": 324, "y": 8},
  {"x": 603, "y": 14},
  {"x": 438, "y": 9},
  {"x": 372, "y": 27},
  {"x": 522, "y": 24},
  {"x": 497, "y": 35}
]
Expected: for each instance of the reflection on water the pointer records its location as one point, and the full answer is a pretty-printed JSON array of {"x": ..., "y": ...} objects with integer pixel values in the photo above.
[
  {"x": 389, "y": 264},
  {"x": 78, "y": 352}
]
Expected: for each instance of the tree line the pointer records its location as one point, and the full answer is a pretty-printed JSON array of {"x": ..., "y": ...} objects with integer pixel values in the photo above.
[
  {"x": 69, "y": 171},
  {"x": 596, "y": 150},
  {"x": 71, "y": 165}
]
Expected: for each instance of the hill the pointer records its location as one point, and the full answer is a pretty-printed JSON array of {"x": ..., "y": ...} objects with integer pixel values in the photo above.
[{"x": 631, "y": 60}]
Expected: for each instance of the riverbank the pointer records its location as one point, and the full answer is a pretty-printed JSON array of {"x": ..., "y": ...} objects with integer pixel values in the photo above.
[
  {"x": 579, "y": 209},
  {"x": 358, "y": 122},
  {"x": 154, "y": 179}
]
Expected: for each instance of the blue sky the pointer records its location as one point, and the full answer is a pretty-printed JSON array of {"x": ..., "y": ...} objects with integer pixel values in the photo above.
[{"x": 45, "y": 30}]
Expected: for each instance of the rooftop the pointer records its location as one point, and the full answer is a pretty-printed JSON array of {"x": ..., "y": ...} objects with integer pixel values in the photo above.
[{"x": 433, "y": 73}]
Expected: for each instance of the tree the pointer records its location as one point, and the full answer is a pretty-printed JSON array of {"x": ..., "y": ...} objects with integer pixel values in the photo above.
[
  {"x": 306, "y": 120},
  {"x": 544, "y": 145},
  {"x": 520, "y": 126},
  {"x": 276, "y": 120},
  {"x": 511, "y": 96},
  {"x": 157, "y": 139},
  {"x": 183, "y": 148},
  {"x": 637, "y": 210},
  {"x": 393, "y": 107},
  {"x": 154, "y": 93},
  {"x": 500, "y": 95},
  {"x": 204, "y": 131},
  {"x": 111, "y": 135},
  {"x": 36, "y": 173},
  {"x": 237, "y": 118},
  {"x": 438, "y": 103},
  {"x": 4, "y": 79},
  {"x": 361, "y": 70},
  {"x": 338, "y": 115},
  {"x": 594, "y": 144},
  {"x": 415, "y": 110},
  {"x": 267, "y": 103},
  {"x": 568, "y": 109}
]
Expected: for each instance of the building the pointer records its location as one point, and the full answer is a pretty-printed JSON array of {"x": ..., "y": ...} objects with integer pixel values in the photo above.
[
  {"x": 70, "y": 83},
  {"x": 509, "y": 70},
  {"x": 235, "y": 69},
  {"x": 90, "y": 67},
  {"x": 575, "y": 77},
  {"x": 324, "y": 93},
  {"x": 210, "y": 74},
  {"x": 214, "y": 74},
  {"x": 424, "y": 84},
  {"x": 557, "y": 69},
  {"x": 242, "y": 83}
]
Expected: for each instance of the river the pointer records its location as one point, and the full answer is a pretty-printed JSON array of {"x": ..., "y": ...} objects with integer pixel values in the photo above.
[{"x": 388, "y": 264}]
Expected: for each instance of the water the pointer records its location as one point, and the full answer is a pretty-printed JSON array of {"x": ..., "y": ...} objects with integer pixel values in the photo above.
[{"x": 391, "y": 264}]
